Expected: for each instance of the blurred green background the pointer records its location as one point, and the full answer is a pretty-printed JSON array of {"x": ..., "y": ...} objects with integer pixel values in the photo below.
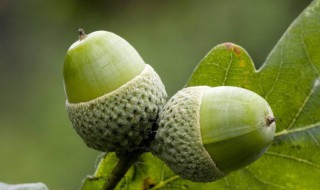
[{"x": 37, "y": 142}]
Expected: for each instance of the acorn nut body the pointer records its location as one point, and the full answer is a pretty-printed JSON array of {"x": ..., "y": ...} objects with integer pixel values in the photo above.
[
  {"x": 113, "y": 97},
  {"x": 204, "y": 133}
]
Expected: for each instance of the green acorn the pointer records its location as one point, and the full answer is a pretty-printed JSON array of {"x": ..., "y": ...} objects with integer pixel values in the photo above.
[
  {"x": 205, "y": 133},
  {"x": 113, "y": 97}
]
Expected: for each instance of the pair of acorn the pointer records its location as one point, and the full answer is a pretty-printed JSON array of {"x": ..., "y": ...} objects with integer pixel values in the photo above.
[{"x": 117, "y": 103}]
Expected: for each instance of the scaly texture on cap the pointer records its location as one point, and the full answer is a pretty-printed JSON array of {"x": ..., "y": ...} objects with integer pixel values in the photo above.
[
  {"x": 178, "y": 141},
  {"x": 122, "y": 119}
]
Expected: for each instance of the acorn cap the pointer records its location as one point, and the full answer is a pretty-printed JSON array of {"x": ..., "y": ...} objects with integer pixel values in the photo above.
[
  {"x": 178, "y": 140},
  {"x": 122, "y": 119},
  {"x": 204, "y": 133}
]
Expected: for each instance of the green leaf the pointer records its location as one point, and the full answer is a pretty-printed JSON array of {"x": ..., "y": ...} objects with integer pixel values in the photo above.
[
  {"x": 104, "y": 169},
  {"x": 290, "y": 81}
]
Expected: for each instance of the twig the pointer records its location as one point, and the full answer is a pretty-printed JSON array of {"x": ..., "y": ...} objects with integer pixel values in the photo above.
[{"x": 123, "y": 165}]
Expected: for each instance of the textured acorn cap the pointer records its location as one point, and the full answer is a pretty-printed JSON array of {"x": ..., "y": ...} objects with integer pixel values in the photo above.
[
  {"x": 178, "y": 140},
  {"x": 203, "y": 133},
  {"x": 121, "y": 120}
]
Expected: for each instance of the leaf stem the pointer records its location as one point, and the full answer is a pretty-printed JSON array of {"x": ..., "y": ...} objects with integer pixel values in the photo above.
[{"x": 123, "y": 165}]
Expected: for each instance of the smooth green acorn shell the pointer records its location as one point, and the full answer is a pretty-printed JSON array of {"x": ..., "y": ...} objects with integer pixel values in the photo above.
[
  {"x": 205, "y": 133},
  {"x": 98, "y": 64}
]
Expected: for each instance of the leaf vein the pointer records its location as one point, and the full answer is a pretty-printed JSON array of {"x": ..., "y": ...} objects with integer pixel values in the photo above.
[
  {"x": 226, "y": 182},
  {"x": 293, "y": 121},
  {"x": 162, "y": 171},
  {"x": 217, "y": 65},
  {"x": 293, "y": 158},
  {"x": 261, "y": 180},
  {"x": 287, "y": 132},
  {"x": 165, "y": 182},
  {"x": 278, "y": 75},
  {"x": 307, "y": 53},
  {"x": 227, "y": 70},
  {"x": 314, "y": 139}
]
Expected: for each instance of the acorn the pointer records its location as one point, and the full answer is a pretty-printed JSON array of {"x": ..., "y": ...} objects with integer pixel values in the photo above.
[
  {"x": 113, "y": 97},
  {"x": 205, "y": 133}
]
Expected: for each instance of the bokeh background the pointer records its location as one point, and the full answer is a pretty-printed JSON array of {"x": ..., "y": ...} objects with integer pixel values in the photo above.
[{"x": 37, "y": 142}]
